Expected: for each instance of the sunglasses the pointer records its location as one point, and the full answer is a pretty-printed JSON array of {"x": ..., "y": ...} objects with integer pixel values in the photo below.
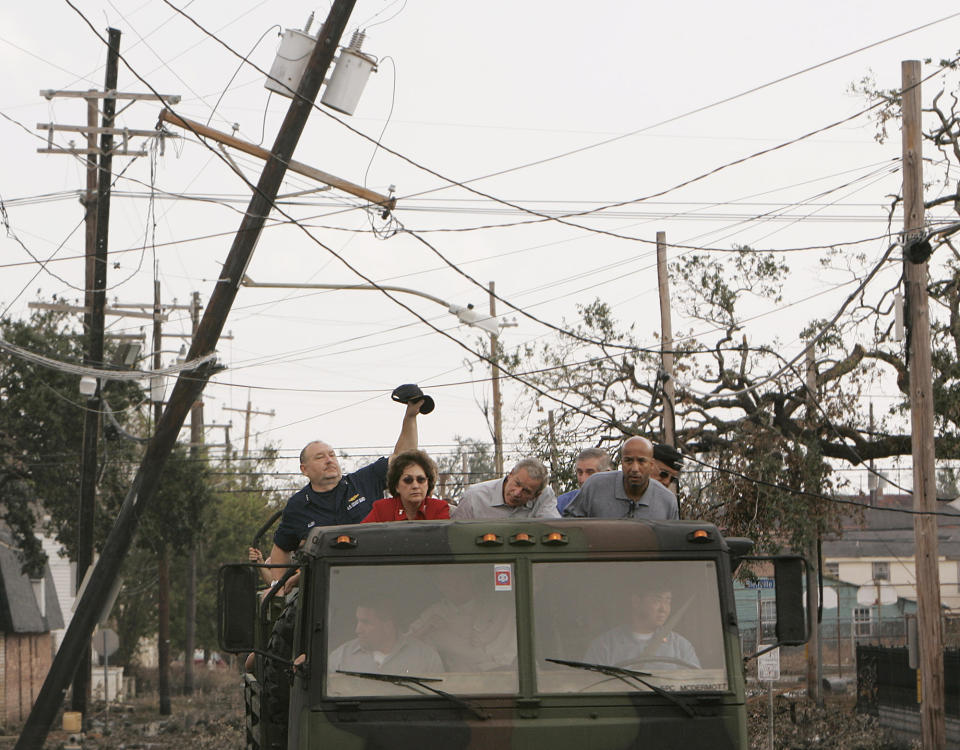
[{"x": 411, "y": 479}]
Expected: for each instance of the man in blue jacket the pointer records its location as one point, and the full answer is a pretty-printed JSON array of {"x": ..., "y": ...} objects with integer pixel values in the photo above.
[{"x": 331, "y": 498}]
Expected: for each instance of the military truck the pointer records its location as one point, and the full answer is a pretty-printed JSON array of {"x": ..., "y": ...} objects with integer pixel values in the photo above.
[{"x": 502, "y": 634}]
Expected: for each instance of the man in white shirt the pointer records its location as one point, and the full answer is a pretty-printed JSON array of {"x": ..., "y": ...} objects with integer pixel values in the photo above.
[{"x": 523, "y": 493}]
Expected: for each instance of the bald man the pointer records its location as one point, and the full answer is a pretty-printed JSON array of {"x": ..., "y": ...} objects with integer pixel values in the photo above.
[
  {"x": 330, "y": 497},
  {"x": 628, "y": 493}
]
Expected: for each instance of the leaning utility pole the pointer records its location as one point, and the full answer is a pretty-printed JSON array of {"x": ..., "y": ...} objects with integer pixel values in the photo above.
[
  {"x": 666, "y": 343},
  {"x": 190, "y": 383},
  {"x": 932, "y": 716},
  {"x": 497, "y": 402}
]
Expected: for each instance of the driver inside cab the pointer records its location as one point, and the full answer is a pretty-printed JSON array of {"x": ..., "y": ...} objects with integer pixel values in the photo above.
[{"x": 647, "y": 634}]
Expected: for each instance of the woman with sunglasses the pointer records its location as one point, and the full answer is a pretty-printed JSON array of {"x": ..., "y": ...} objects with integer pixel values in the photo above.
[{"x": 411, "y": 478}]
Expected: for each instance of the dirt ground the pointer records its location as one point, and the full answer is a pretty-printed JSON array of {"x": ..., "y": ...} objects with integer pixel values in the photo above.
[{"x": 213, "y": 720}]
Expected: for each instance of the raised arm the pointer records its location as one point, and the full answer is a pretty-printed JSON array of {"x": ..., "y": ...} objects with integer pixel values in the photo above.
[{"x": 408, "y": 439}]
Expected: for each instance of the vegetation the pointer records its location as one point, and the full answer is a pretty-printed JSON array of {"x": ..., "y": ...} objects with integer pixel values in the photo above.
[
  {"x": 212, "y": 507},
  {"x": 42, "y": 414}
]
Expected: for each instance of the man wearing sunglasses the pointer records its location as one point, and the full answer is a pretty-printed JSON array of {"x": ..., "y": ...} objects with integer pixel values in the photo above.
[
  {"x": 523, "y": 493},
  {"x": 627, "y": 493},
  {"x": 667, "y": 464}
]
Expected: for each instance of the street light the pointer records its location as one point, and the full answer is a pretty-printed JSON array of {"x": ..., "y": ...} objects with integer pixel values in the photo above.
[{"x": 466, "y": 315}]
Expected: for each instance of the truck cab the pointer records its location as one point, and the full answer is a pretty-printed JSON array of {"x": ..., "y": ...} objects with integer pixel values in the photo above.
[{"x": 504, "y": 634}]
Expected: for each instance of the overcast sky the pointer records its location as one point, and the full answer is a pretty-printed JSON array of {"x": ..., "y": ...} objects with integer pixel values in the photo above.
[{"x": 645, "y": 98}]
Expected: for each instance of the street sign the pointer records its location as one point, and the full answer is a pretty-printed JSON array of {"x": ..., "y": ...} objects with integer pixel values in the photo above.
[
  {"x": 105, "y": 642},
  {"x": 768, "y": 666},
  {"x": 759, "y": 583}
]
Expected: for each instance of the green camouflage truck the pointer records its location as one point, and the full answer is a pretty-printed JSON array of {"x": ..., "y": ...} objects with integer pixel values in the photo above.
[{"x": 502, "y": 635}]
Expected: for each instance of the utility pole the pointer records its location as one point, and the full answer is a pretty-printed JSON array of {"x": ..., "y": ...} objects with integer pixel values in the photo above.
[
  {"x": 554, "y": 458},
  {"x": 96, "y": 272},
  {"x": 190, "y": 594},
  {"x": 246, "y": 425},
  {"x": 497, "y": 404},
  {"x": 96, "y": 202},
  {"x": 666, "y": 343},
  {"x": 226, "y": 445},
  {"x": 187, "y": 389},
  {"x": 873, "y": 483},
  {"x": 929, "y": 628},
  {"x": 163, "y": 563},
  {"x": 90, "y": 202},
  {"x": 814, "y": 674}
]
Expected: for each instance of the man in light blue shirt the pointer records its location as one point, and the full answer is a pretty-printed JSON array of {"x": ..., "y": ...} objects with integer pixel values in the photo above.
[{"x": 589, "y": 462}]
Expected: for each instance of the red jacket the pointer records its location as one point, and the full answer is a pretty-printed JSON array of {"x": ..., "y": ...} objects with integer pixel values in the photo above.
[{"x": 391, "y": 509}]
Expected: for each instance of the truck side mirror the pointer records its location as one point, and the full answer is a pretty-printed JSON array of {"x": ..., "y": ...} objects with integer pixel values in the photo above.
[
  {"x": 237, "y": 607},
  {"x": 788, "y": 580}
]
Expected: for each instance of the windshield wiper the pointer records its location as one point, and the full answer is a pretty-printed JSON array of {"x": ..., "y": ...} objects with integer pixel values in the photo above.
[
  {"x": 629, "y": 674},
  {"x": 407, "y": 680}
]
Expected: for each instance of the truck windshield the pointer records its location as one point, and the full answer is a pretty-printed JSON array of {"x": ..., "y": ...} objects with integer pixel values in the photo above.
[
  {"x": 452, "y": 622},
  {"x": 656, "y": 617}
]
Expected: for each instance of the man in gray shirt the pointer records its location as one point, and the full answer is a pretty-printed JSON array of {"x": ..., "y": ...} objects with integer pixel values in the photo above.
[
  {"x": 523, "y": 493},
  {"x": 645, "y": 637},
  {"x": 628, "y": 493},
  {"x": 379, "y": 647}
]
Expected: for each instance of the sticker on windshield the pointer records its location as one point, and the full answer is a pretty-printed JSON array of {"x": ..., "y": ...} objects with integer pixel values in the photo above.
[{"x": 503, "y": 577}]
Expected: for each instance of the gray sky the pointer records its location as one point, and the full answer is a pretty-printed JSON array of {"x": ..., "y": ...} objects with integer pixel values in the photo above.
[{"x": 461, "y": 95}]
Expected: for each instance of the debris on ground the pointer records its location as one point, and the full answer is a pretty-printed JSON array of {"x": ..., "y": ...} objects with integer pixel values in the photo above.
[{"x": 798, "y": 724}]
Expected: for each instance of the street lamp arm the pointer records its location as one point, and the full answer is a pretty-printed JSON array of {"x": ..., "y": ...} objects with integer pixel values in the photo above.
[{"x": 247, "y": 281}]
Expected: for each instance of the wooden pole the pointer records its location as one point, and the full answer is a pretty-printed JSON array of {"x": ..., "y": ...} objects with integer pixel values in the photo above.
[
  {"x": 187, "y": 390},
  {"x": 90, "y": 201},
  {"x": 190, "y": 591},
  {"x": 932, "y": 717},
  {"x": 497, "y": 404},
  {"x": 814, "y": 684},
  {"x": 163, "y": 558},
  {"x": 97, "y": 227},
  {"x": 294, "y": 166},
  {"x": 554, "y": 458},
  {"x": 666, "y": 342},
  {"x": 248, "y": 412}
]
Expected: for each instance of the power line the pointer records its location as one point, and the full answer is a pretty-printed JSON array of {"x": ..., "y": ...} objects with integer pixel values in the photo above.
[{"x": 533, "y": 387}]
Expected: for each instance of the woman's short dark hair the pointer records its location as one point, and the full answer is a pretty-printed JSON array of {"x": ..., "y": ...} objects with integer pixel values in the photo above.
[{"x": 402, "y": 460}]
